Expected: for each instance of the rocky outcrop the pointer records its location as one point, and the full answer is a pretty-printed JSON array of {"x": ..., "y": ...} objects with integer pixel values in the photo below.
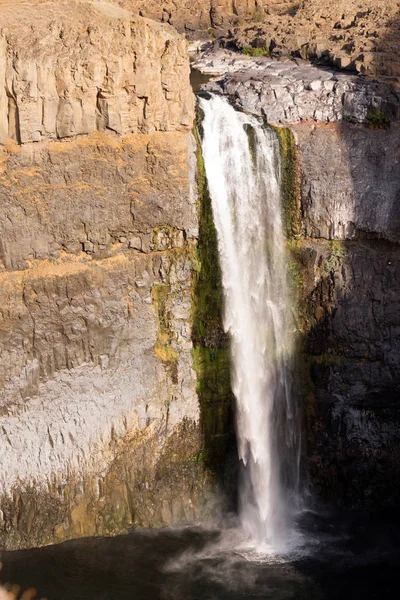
[
  {"x": 356, "y": 193},
  {"x": 97, "y": 195},
  {"x": 349, "y": 34},
  {"x": 186, "y": 15},
  {"x": 352, "y": 35},
  {"x": 99, "y": 413},
  {"x": 111, "y": 342},
  {"x": 341, "y": 186},
  {"x": 195, "y": 15},
  {"x": 351, "y": 348},
  {"x": 346, "y": 270},
  {"x": 292, "y": 91},
  {"x": 112, "y": 73}
]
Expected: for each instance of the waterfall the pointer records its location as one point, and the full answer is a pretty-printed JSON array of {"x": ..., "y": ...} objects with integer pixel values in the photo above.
[{"x": 242, "y": 163}]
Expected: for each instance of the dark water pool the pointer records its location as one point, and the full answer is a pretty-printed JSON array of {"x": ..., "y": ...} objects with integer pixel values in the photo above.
[{"x": 355, "y": 557}]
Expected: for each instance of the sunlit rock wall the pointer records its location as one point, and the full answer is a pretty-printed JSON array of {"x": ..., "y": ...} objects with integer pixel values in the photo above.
[
  {"x": 195, "y": 15},
  {"x": 99, "y": 415}
]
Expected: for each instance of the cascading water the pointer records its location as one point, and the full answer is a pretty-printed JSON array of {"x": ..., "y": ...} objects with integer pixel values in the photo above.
[{"x": 242, "y": 164}]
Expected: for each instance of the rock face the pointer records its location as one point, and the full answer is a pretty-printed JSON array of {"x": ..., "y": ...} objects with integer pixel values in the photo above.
[
  {"x": 292, "y": 91},
  {"x": 110, "y": 330},
  {"x": 354, "y": 35},
  {"x": 98, "y": 195},
  {"x": 349, "y": 34},
  {"x": 341, "y": 196},
  {"x": 192, "y": 15},
  {"x": 356, "y": 194},
  {"x": 112, "y": 73},
  {"x": 347, "y": 265},
  {"x": 349, "y": 297},
  {"x": 99, "y": 414}
]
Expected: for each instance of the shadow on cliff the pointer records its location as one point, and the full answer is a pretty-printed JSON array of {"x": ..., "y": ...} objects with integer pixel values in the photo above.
[
  {"x": 388, "y": 52},
  {"x": 352, "y": 344},
  {"x": 350, "y": 379},
  {"x": 211, "y": 349}
]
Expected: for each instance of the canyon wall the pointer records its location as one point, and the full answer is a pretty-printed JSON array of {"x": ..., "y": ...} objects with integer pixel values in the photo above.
[
  {"x": 112, "y": 354},
  {"x": 196, "y": 15},
  {"x": 360, "y": 36},
  {"x": 347, "y": 270},
  {"x": 341, "y": 200},
  {"x": 99, "y": 412}
]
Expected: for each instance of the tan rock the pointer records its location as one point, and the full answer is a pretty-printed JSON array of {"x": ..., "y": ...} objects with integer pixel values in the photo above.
[
  {"x": 89, "y": 66},
  {"x": 193, "y": 15},
  {"x": 338, "y": 33},
  {"x": 97, "y": 234}
]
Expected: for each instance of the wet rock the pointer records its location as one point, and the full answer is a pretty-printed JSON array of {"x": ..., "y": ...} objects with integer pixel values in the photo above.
[{"x": 352, "y": 346}]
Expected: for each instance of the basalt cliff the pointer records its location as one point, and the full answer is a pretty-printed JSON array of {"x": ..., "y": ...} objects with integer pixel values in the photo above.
[
  {"x": 100, "y": 419},
  {"x": 115, "y": 399}
]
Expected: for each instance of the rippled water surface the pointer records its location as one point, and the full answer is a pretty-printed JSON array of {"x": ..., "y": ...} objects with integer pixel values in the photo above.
[{"x": 344, "y": 558}]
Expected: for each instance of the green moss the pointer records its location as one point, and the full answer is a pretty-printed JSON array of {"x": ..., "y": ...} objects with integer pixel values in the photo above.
[
  {"x": 211, "y": 355},
  {"x": 298, "y": 277},
  {"x": 327, "y": 359},
  {"x": 295, "y": 272},
  {"x": 290, "y": 182},
  {"x": 311, "y": 263},
  {"x": 256, "y": 52},
  {"x": 377, "y": 119},
  {"x": 337, "y": 254}
]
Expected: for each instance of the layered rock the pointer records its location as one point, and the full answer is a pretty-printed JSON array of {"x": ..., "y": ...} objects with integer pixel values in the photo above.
[
  {"x": 355, "y": 194},
  {"x": 341, "y": 186},
  {"x": 292, "y": 91},
  {"x": 195, "y": 15},
  {"x": 352, "y": 35},
  {"x": 100, "y": 419},
  {"x": 97, "y": 194},
  {"x": 351, "y": 348},
  {"x": 106, "y": 304},
  {"x": 111, "y": 73},
  {"x": 347, "y": 273}
]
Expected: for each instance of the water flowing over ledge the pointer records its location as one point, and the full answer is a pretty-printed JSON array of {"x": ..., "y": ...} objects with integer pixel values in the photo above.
[{"x": 242, "y": 163}]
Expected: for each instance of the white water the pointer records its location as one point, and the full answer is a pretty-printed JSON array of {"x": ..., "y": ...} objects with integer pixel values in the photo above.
[{"x": 243, "y": 171}]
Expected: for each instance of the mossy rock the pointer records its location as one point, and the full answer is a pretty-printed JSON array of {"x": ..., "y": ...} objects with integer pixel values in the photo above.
[
  {"x": 211, "y": 354},
  {"x": 290, "y": 187}
]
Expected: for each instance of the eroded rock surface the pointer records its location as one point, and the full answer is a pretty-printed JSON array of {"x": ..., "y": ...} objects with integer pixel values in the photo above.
[
  {"x": 349, "y": 301},
  {"x": 292, "y": 91},
  {"x": 193, "y": 15},
  {"x": 349, "y": 34},
  {"x": 350, "y": 181},
  {"x": 349, "y": 185},
  {"x": 99, "y": 412},
  {"x": 97, "y": 194},
  {"x": 342, "y": 198},
  {"x": 85, "y": 67}
]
